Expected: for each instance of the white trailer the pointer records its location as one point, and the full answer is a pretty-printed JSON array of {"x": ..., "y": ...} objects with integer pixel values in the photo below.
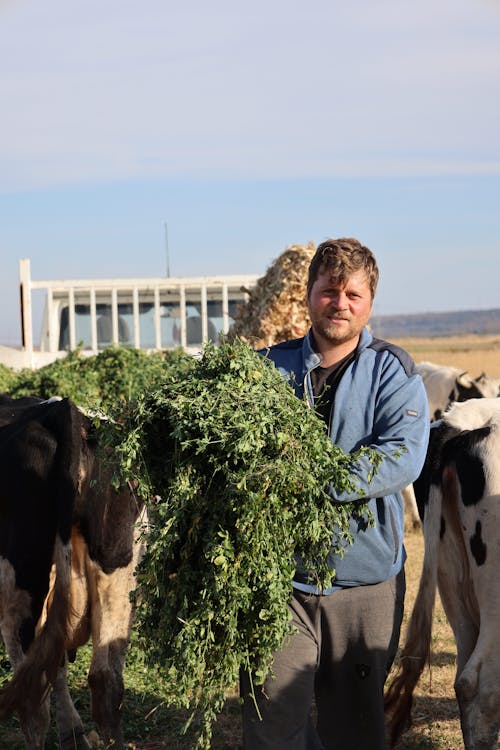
[{"x": 149, "y": 313}]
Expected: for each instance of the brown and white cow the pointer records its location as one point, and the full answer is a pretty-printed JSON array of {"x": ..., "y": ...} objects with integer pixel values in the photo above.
[
  {"x": 459, "y": 496},
  {"x": 69, "y": 544}
]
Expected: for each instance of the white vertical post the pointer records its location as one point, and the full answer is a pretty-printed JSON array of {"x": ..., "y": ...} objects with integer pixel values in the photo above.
[
  {"x": 182, "y": 311},
  {"x": 114, "y": 316},
  {"x": 137, "y": 325},
  {"x": 52, "y": 321},
  {"x": 72, "y": 324},
  {"x": 93, "y": 320},
  {"x": 157, "y": 318},
  {"x": 25, "y": 301},
  {"x": 225, "y": 309},
  {"x": 204, "y": 314}
]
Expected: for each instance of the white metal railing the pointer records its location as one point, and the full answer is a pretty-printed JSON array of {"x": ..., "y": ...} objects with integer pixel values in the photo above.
[{"x": 174, "y": 295}]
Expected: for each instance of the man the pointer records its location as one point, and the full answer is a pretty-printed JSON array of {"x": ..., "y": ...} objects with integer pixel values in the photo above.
[{"x": 368, "y": 393}]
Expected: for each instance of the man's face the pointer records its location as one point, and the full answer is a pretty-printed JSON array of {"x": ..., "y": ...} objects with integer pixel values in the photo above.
[{"x": 339, "y": 312}]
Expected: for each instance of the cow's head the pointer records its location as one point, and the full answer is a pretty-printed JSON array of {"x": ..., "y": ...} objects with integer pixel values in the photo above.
[
  {"x": 480, "y": 387},
  {"x": 488, "y": 387}
]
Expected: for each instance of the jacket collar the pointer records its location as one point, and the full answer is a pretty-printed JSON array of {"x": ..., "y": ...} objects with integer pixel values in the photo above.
[{"x": 311, "y": 358}]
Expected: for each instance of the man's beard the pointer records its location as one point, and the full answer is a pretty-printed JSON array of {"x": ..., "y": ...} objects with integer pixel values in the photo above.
[{"x": 335, "y": 334}]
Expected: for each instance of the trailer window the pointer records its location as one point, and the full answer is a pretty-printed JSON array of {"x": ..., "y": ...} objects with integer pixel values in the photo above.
[{"x": 170, "y": 323}]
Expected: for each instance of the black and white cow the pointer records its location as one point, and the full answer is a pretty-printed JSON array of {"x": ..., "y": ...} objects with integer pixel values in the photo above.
[
  {"x": 459, "y": 496},
  {"x": 445, "y": 384},
  {"x": 69, "y": 544}
]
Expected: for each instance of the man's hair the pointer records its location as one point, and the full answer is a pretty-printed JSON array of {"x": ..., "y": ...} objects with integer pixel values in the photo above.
[{"x": 341, "y": 258}]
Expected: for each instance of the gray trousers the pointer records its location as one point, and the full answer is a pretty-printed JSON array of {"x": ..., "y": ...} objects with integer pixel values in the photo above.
[{"x": 328, "y": 684}]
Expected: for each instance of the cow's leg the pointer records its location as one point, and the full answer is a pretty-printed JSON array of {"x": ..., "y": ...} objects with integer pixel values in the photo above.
[
  {"x": 69, "y": 725},
  {"x": 456, "y": 586},
  {"x": 476, "y": 684},
  {"x": 34, "y": 724},
  {"x": 111, "y": 620},
  {"x": 468, "y": 591},
  {"x": 479, "y": 701},
  {"x": 14, "y": 606},
  {"x": 462, "y": 622},
  {"x": 111, "y": 613},
  {"x": 461, "y": 608}
]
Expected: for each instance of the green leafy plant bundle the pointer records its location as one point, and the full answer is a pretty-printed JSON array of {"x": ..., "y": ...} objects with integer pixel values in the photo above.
[
  {"x": 238, "y": 467},
  {"x": 103, "y": 381}
]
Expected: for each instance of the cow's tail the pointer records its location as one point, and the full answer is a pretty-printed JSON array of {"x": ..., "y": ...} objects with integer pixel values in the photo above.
[
  {"x": 416, "y": 651},
  {"x": 35, "y": 674}
]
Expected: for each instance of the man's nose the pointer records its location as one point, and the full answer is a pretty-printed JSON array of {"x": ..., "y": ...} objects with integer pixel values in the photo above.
[{"x": 339, "y": 301}]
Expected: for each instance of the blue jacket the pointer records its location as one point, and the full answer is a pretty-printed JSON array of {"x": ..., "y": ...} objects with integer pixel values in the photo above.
[{"x": 380, "y": 401}]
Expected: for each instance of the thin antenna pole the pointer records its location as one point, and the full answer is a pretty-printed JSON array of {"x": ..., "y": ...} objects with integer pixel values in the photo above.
[{"x": 166, "y": 249}]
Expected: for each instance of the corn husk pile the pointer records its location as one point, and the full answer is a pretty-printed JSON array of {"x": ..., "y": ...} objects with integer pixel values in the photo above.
[{"x": 276, "y": 309}]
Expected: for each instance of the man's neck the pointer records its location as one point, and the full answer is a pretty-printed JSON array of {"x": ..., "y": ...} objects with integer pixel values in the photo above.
[{"x": 333, "y": 353}]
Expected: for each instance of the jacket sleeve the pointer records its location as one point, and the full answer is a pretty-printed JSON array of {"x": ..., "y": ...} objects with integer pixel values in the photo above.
[{"x": 399, "y": 435}]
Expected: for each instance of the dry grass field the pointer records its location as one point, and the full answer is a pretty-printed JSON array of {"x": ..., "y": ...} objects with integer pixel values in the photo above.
[{"x": 476, "y": 354}]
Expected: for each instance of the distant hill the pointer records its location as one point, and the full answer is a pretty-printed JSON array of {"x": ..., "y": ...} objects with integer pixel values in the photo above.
[{"x": 437, "y": 324}]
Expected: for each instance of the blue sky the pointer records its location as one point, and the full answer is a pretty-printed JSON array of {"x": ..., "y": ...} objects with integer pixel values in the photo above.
[{"x": 246, "y": 128}]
